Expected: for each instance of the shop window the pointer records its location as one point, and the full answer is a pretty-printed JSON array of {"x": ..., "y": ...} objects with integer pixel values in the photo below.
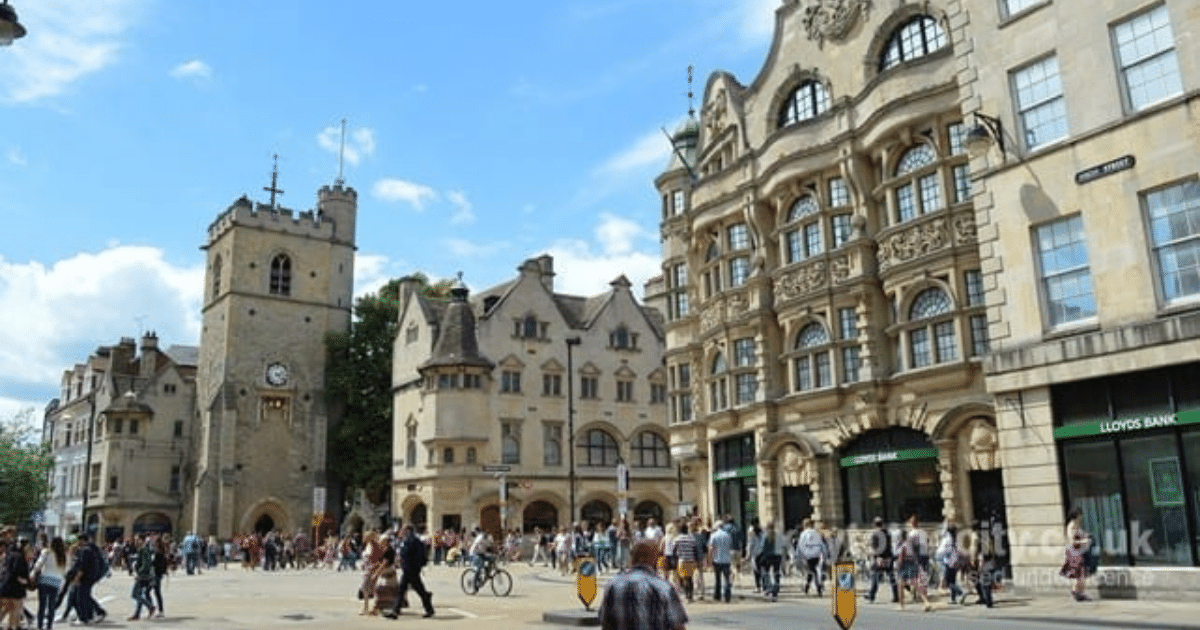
[
  {"x": 891, "y": 473},
  {"x": 1155, "y": 500},
  {"x": 1191, "y": 450},
  {"x": 1094, "y": 487}
]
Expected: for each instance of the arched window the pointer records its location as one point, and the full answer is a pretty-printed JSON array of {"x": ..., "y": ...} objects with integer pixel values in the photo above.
[
  {"x": 598, "y": 449},
  {"x": 807, "y": 101},
  {"x": 649, "y": 450},
  {"x": 920, "y": 191},
  {"x": 216, "y": 274},
  {"x": 594, "y": 512},
  {"x": 914, "y": 39},
  {"x": 803, "y": 236},
  {"x": 410, "y": 449},
  {"x": 281, "y": 275},
  {"x": 933, "y": 339},
  {"x": 812, "y": 368},
  {"x": 718, "y": 386},
  {"x": 541, "y": 514},
  {"x": 647, "y": 510}
]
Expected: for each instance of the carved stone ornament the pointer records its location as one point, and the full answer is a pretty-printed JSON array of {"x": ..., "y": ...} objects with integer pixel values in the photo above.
[
  {"x": 802, "y": 281},
  {"x": 794, "y": 469},
  {"x": 833, "y": 19},
  {"x": 984, "y": 443},
  {"x": 712, "y": 316},
  {"x": 915, "y": 241},
  {"x": 738, "y": 304}
]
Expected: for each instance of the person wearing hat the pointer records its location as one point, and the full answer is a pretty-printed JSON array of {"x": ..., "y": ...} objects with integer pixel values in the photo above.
[{"x": 882, "y": 557}]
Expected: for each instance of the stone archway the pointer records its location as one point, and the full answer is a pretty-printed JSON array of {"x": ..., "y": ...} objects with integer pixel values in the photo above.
[
  {"x": 791, "y": 484},
  {"x": 275, "y": 514}
]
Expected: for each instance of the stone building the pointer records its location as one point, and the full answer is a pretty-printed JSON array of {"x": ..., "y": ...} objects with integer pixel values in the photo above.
[
  {"x": 276, "y": 283},
  {"x": 865, "y": 318},
  {"x": 826, "y": 320},
  {"x": 488, "y": 381},
  {"x": 139, "y": 409},
  {"x": 1088, "y": 210}
]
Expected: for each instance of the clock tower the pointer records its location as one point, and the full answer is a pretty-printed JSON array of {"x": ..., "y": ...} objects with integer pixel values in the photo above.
[{"x": 276, "y": 283}]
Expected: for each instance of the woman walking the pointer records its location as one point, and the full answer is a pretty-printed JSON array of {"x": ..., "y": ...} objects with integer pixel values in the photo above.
[
  {"x": 373, "y": 550},
  {"x": 1077, "y": 543},
  {"x": 16, "y": 582},
  {"x": 911, "y": 574},
  {"x": 159, "y": 560},
  {"x": 49, "y": 569},
  {"x": 952, "y": 558}
]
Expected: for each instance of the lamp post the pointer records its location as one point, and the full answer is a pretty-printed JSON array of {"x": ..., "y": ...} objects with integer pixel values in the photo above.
[
  {"x": 986, "y": 131},
  {"x": 10, "y": 28},
  {"x": 571, "y": 343},
  {"x": 87, "y": 466}
]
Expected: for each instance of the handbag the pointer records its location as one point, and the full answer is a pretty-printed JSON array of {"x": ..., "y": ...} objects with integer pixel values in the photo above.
[{"x": 360, "y": 593}]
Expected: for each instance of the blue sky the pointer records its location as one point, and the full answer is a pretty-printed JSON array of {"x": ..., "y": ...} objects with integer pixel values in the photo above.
[{"x": 479, "y": 134}]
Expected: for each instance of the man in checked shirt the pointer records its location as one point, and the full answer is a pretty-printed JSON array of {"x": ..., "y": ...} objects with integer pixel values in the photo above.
[{"x": 640, "y": 600}]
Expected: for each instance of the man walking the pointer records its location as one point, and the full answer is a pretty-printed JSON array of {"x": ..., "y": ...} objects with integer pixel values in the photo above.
[
  {"x": 191, "y": 553},
  {"x": 770, "y": 555},
  {"x": 882, "y": 558},
  {"x": 811, "y": 547},
  {"x": 413, "y": 556},
  {"x": 640, "y": 600},
  {"x": 720, "y": 547}
]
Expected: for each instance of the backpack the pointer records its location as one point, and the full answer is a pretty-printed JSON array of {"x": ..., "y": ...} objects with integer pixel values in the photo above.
[{"x": 421, "y": 554}]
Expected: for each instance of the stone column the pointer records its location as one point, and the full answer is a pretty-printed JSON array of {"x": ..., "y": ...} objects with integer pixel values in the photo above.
[
  {"x": 768, "y": 491},
  {"x": 947, "y": 475}
]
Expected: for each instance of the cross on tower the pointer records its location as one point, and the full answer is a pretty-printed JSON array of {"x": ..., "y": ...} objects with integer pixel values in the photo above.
[{"x": 274, "y": 178}]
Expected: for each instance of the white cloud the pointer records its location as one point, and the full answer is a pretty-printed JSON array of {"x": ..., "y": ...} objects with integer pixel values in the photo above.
[
  {"x": 757, "y": 20},
  {"x": 464, "y": 212},
  {"x": 360, "y": 142},
  {"x": 15, "y": 157},
  {"x": 651, "y": 149},
  {"x": 463, "y": 248},
  {"x": 55, "y": 316},
  {"x": 67, "y": 41},
  {"x": 195, "y": 70},
  {"x": 620, "y": 247},
  {"x": 372, "y": 271},
  {"x": 400, "y": 190}
]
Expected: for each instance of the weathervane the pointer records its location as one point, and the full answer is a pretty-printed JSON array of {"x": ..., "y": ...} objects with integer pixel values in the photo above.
[
  {"x": 691, "y": 110},
  {"x": 274, "y": 179},
  {"x": 341, "y": 156}
]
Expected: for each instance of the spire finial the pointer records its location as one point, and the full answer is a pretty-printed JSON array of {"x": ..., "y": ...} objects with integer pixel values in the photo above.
[
  {"x": 341, "y": 156},
  {"x": 274, "y": 179},
  {"x": 691, "y": 110}
]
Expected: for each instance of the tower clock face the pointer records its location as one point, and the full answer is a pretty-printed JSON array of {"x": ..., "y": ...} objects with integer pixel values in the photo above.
[{"x": 277, "y": 375}]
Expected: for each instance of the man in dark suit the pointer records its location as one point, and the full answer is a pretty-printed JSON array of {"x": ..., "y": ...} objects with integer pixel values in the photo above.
[{"x": 413, "y": 556}]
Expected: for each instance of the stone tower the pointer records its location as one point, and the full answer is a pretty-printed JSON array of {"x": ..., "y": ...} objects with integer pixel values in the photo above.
[{"x": 276, "y": 283}]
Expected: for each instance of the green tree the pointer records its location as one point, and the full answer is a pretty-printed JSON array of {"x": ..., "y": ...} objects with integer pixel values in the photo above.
[
  {"x": 359, "y": 385},
  {"x": 25, "y": 464}
]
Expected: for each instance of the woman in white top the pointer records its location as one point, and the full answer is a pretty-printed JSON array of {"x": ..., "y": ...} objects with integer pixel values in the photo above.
[{"x": 49, "y": 569}]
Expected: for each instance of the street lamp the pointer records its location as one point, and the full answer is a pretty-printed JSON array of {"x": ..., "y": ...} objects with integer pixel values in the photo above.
[
  {"x": 10, "y": 28},
  {"x": 987, "y": 131},
  {"x": 571, "y": 343}
]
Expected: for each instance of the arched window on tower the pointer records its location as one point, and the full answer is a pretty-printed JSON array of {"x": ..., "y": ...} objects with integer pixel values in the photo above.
[
  {"x": 216, "y": 275},
  {"x": 281, "y": 275},
  {"x": 807, "y": 101}
]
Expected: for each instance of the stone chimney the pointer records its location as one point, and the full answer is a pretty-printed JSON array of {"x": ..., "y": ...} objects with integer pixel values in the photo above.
[
  {"x": 149, "y": 359},
  {"x": 546, "y": 264}
]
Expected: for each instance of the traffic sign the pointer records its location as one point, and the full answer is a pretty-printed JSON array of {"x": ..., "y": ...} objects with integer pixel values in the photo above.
[
  {"x": 496, "y": 468},
  {"x": 845, "y": 595}
]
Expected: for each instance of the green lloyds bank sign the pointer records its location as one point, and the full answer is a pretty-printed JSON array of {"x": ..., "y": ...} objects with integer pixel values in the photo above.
[
  {"x": 1125, "y": 426},
  {"x": 888, "y": 456}
]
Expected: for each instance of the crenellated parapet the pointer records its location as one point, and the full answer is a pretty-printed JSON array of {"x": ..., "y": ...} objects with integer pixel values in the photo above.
[
  {"x": 337, "y": 190},
  {"x": 245, "y": 212}
]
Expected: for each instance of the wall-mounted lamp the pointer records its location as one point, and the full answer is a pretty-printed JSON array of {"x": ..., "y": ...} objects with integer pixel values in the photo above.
[
  {"x": 10, "y": 28},
  {"x": 981, "y": 136}
]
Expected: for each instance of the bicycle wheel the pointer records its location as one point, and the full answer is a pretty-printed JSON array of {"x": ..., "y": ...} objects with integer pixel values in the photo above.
[
  {"x": 501, "y": 583},
  {"x": 469, "y": 585}
]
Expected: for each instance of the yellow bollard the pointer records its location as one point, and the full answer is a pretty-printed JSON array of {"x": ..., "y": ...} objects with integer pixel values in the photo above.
[
  {"x": 845, "y": 595},
  {"x": 585, "y": 580}
]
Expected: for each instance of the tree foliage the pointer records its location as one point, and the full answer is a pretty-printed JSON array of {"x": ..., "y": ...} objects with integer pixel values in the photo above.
[
  {"x": 360, "y": 386},
  {"x": 25, "y": 464}
]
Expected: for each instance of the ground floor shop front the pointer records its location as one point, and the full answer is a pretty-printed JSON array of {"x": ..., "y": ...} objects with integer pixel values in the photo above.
[{"x": 533, "y": 503}]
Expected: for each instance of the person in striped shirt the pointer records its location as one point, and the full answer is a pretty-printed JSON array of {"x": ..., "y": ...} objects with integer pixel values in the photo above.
[
  {"x": 640, "y": 600},
  {"x": 685, "y": 559}
]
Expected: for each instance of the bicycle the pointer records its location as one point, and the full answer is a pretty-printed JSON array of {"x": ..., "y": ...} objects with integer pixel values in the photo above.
[{"x": 473, "y": 579}]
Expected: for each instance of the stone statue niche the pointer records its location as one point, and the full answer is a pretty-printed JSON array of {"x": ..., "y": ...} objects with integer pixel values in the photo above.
[
  {"x": 984, "y": 445},
  {"x": 794, "y": 469}
]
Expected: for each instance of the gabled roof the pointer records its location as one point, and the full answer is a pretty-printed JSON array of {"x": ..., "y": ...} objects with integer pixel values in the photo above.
[
  {"x": 184, "y": 355},
  {"x": 456, "y": 343}
]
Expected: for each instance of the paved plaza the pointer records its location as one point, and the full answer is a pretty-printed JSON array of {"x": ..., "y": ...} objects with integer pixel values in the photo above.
[{"x": 226, "y": 599}]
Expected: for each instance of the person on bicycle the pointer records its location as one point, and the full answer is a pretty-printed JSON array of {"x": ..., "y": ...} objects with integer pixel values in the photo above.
[{"x": 481, "y": 552}]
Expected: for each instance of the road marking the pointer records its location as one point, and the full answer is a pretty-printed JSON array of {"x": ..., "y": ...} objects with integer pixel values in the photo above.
[{"x": 463, "y": 613}]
